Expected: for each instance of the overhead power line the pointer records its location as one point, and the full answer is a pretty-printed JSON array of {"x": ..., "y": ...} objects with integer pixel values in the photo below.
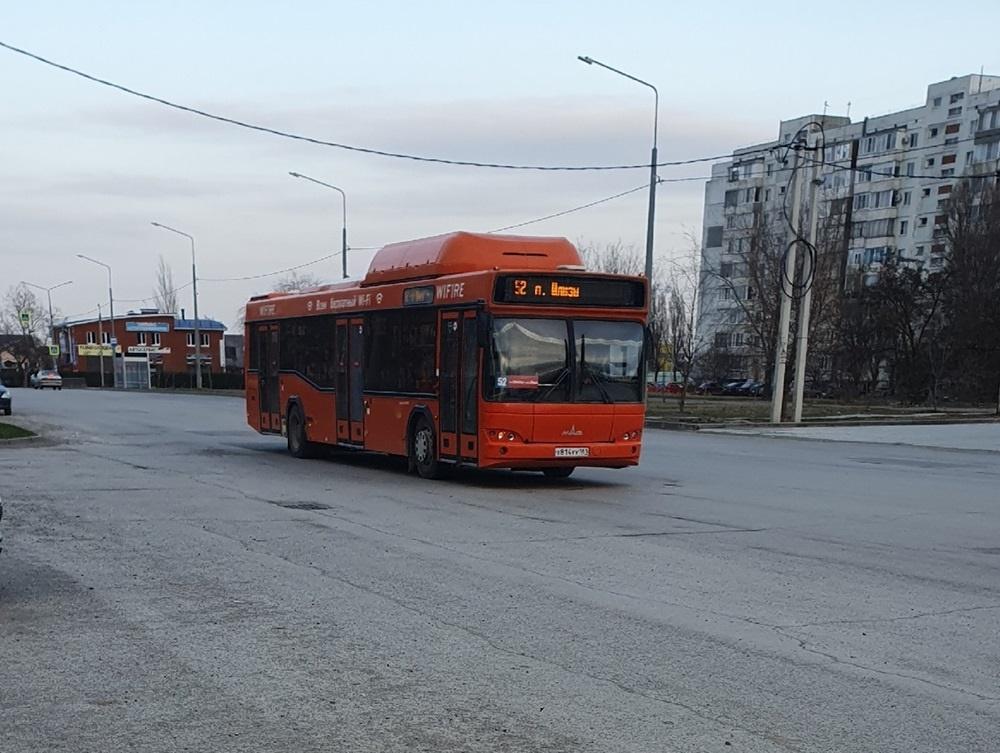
[{"x": 348, "y": 147}]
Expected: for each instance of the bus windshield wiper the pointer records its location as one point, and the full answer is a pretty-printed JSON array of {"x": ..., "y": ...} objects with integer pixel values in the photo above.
[
  {"x": 551, "y": 386},
  {"x": 595, "y": 375}
]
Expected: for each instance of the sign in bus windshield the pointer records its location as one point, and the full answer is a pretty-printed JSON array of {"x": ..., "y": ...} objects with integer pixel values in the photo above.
[{"x": 569, "y": 290}]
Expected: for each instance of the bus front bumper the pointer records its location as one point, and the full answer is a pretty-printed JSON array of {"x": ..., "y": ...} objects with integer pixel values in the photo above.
[{"x": 518, "y": 454}]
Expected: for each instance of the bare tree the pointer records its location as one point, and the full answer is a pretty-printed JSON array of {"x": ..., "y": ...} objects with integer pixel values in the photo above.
[
  {"x": 615, "y": 258},
  {"x": 164, "y": 293},
  {"x": 27, "y": 350}
]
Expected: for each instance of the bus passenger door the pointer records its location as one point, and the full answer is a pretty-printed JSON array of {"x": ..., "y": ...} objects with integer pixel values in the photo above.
[
  {"x": 342, "y": 359},
  {"x": 267, "y": 377},
  {"x": 459, "y": 387},
  {"x": 356, "y": 407},
  {"x": 450, "y": 389},
  {"x": 469, "y": 399}
]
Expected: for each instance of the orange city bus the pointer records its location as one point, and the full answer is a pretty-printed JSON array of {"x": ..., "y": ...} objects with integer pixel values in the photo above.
[{"x": 462, "y": 349}]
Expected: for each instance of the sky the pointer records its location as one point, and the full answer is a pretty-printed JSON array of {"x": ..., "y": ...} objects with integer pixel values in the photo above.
[{"x": 86, "y": 169}]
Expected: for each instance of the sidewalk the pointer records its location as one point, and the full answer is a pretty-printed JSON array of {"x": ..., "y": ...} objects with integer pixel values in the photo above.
[{"x": 984, "y": 437}]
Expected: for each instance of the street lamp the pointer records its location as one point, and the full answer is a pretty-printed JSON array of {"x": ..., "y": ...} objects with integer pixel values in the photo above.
[
  {"x": 48, "y": 292},
  {"x": 194, "y": 289},
  {"x": 343, "y": 232},
  {"x": 111, "y": 303},
  {"x": 652, "y": 160}
]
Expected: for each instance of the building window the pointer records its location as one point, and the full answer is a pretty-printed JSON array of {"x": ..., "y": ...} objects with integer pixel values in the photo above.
[
  {"x": 156, "y": 338},
  {"x": 140, "y": 338},
  {"x": 732, "y": 198},
  {"x": 948, "y": 159},
  {"x": 726, "y": 269},
  {"x": 937, "y": 101},
  {"x": 956, "y": 97},
  {"x": 906, "y": 198},
  {"x": 730, "y": 222},
  {"x": 713, "y": 236},
  {"x": 944, "y": 189},
  {"x": 91, "y": 338},
  {"x": 913, "y": 139},
  {"x": 947, "y": 173},
  {"x": 767, "y": 194},
  {"x": 861, "y": 201},
  {"x": 934, "y": 132},
  {"x": 890, "y": 140},
  {"x": 869, "y": 145},
  {"x": 952, "y": 128},
  {"x": 903, "y": 224},
  {"x": 929, "y": 162},
  {"x": 190, "y": 339},
  {"x": 923, "y": 223},
  {"x": 910, "y": 169},
  {"x": 770, "y": 169},
  {"x": 105, "y": 338},
  {"x": 925, "y": 192},
  {"x": 919, "y": 251},
  {"x": 204, "y": 339},
  {"x": 968, "y": 158},
  {"x": 954, "y": 112}
]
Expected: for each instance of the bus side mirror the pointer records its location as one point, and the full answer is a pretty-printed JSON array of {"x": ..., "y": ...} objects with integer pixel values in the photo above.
[{"x": 484, "y": 326}]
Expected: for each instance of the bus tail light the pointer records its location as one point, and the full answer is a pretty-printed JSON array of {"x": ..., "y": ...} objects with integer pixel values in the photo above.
[{"x": 631, "y": 436}]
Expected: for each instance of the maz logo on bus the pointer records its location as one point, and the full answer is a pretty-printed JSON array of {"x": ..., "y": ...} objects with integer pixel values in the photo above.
[{"x": 556, "y": 290}]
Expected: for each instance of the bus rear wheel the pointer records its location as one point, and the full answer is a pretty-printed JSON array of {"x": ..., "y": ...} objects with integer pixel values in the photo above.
[
  {"x": 564, "y": 471},
  {"x": 423, "y": 449},
  {"x": 298, "y": 445}
]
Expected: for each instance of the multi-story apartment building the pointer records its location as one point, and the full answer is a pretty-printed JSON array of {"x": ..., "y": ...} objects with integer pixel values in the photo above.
[{"x": 886, "y": 183}]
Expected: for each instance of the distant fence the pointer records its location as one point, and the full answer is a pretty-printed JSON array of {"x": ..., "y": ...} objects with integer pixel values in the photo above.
[{"x": 210, "y": 380}]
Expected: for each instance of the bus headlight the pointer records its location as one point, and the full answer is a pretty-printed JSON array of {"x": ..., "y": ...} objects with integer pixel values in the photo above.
[{"x": 504, "y": 435}]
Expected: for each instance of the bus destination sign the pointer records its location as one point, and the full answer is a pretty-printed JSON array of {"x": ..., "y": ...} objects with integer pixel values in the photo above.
[{"x": 569, "y": 290}]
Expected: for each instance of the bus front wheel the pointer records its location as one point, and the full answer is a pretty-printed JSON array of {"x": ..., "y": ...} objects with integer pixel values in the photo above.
[
  {"x": 424, "y": 450},
  {"x": 561, "y": 472},
  {"x": 298, "y": 445}
]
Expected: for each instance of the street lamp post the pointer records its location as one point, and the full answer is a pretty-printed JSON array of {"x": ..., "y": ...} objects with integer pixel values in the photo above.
[
  {"x": 48, "y": 292},
  {"x": 111, "y": 304},
  {"x": 194, "y": 289},
  {"x": 651, "y": 215},
  {"x": 343, "y": 230}
]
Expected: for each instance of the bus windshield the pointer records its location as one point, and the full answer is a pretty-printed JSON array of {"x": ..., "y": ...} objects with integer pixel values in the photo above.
[{"x": 565, "y": 361}]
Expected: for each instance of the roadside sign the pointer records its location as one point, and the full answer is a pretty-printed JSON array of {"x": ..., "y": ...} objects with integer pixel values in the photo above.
[
  {"x": 25, "y": 317},
  {"x": 53, "y": 350},
  {"x": 114, "y": 340}
]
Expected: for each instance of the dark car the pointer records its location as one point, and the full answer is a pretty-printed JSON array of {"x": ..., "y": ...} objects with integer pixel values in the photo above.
[
  {"x": 5, "y": 400},
  {"x": 709, "y": 388},
  {"x": 733, "y": 388}
]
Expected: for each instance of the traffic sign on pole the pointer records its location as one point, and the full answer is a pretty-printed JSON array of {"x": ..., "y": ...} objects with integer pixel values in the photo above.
[
  {"x": 25, "y": 317},
  {"x": 53, "y": 350}
]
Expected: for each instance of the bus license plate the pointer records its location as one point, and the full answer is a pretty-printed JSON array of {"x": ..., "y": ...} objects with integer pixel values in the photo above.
[{"x": 572, "y": 452}]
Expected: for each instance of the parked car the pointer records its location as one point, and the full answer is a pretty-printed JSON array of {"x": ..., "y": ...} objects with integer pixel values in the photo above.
[
  {"x": 5, "y": 400},
  {"x": 46, "y": 378},
  {"x": 733, "y": 388},
  {"x": 709, "y": 388}
]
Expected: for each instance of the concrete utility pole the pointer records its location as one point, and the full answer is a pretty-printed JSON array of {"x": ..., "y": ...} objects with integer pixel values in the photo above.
[
  {"x": 343, "y": 228},
  {"x": 194, "y": 290},
  {"x": 111, "y": 303},
  {"x": 651, "y": 213},
  {"x": 784, "y": 319},
  {"x": 805, "y": 304},
  {"x": 100, "y": 341}
]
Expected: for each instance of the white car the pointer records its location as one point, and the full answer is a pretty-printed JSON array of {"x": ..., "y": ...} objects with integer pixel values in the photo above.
[{"x": 46, "y": 378}]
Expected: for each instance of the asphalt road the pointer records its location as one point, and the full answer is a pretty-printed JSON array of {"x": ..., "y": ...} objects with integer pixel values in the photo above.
[{"x": 173, "y": 581}]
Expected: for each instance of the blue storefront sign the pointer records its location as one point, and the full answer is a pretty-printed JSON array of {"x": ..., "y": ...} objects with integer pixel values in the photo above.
[{"x": 147, "y": 327}]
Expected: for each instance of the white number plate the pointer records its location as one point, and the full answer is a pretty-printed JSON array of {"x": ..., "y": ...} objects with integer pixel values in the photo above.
[{"x": 572, "y": 452}]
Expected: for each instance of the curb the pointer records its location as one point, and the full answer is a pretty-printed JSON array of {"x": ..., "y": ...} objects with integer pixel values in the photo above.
[{"x": 656, "y": 423}]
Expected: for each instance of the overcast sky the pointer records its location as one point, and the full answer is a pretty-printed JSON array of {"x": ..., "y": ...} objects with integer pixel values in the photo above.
[{"x": 86, "y": 168}]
